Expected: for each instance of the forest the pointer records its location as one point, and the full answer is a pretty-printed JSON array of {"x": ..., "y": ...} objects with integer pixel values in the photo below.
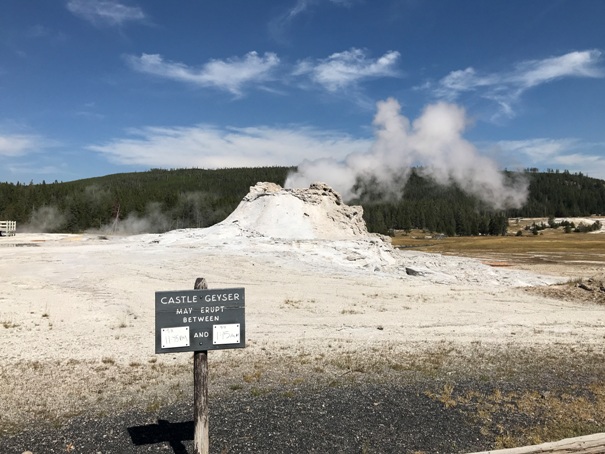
[{"x": 160, "y": 200}]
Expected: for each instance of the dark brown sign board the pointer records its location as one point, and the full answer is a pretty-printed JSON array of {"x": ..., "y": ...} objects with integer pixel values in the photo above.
[{"x": 195, "y": 320}]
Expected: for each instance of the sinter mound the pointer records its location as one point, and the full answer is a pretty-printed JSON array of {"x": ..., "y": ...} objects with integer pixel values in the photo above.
[
  {"x": 313, "y": 227},
  {"x": 316, "y": 213}
]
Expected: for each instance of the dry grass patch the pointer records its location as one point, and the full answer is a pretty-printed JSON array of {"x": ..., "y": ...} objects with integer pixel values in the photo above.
[
  {"x": 36, "y": 392},
  {"x": 8, "y": 324},
  {"x": 528, "y": 396},
  {"x": 586, "y": 290},
  {"x": 532, "y": 416},
  {"x": 553, "y": 245}
]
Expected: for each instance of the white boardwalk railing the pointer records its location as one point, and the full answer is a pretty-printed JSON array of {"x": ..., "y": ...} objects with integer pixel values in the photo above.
[{"x": 8, "y": 228}]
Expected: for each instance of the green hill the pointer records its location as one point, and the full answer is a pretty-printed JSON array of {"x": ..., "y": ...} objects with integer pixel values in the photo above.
[{"x": 160, "y": 200}]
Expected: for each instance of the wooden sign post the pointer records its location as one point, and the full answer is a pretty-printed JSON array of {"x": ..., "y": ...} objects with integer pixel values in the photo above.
[
  {"x": 201, "y": 439},
  {"x": 196, "y": 321}
]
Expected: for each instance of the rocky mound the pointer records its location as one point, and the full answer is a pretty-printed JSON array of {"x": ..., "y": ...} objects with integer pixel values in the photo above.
[
  {"x": 316, "y": 213},
  {"x": 312, "y": 228}
]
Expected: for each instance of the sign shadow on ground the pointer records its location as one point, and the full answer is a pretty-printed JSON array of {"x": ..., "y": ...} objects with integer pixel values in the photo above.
[{"x": 164, "y": 431}]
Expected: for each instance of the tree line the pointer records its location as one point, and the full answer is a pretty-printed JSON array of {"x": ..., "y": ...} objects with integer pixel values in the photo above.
[
  {"x": 159, "y": 200},
  {"x": 426, "y": 205}
]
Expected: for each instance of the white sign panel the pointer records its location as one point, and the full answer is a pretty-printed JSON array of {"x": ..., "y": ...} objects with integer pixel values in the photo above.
[
  {"x": 175, "y": 337},
  {"x": 225, "y": 334}
]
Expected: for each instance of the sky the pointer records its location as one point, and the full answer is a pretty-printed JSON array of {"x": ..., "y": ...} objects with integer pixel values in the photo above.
[{"x": 337, "y": 87}]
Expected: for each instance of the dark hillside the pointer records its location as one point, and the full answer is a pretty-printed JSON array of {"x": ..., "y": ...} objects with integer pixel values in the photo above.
[
  {"x": 160, "y": 200},
  {"x": 427, "y": 205}
]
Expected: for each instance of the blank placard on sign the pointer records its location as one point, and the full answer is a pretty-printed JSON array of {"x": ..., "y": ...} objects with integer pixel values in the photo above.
[
  {"x": 225, "y": 334},
  {"x": 175, "y": 337}
]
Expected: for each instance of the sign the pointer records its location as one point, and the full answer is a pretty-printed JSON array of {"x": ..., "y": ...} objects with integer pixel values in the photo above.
[{"x": 196, "y": 320}]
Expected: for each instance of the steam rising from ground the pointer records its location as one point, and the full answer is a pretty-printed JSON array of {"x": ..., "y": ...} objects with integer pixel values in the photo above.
[
  {"x": 153, "y": 221},
  {"x": 433, "y": 141},
  {"x": 44, "y": 219},
  {"x": 191, "y": 209}
]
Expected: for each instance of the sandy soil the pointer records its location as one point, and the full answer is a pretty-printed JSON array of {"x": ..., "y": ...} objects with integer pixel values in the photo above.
[{"x": 86, "y": 297}]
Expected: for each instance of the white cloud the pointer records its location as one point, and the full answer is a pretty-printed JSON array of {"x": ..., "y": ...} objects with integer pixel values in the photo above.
[
  {"x": 338, "y": 72},
  {"x": 589, "y": 164},
  {"x": 230, "y": 75},
  {"x": 561, "y": 154},
  {"x": 507, "y": 87},
  {"x": 19, "y": 145},
  {"x": 574, "y": 64},
  {"x": 213, "y": 147},
  {"x": 105, "y": 12},
  {"x": 346, "y": 69},
  {"x": 463, "y": 80},
  {"x": 23, "y": 155}
]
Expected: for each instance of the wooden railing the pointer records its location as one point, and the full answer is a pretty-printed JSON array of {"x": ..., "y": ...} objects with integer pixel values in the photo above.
[
  {"x": 8, "y": 228},
  {"x": 588, "y": 444}
]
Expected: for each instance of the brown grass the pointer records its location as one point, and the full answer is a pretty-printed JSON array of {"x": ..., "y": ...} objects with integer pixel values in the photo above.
[
  {"x": 554, "y": 414},
  {"x": 552, "y": 245}
]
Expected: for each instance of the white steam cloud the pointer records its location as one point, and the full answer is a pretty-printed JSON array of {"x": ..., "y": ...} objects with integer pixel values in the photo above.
[
  {"x": 433, "y": 142},
  {"x": 45, "y": 219},
  {"x": 154, "y": 221}
]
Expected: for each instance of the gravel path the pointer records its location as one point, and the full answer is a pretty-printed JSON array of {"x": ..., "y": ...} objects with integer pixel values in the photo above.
[
  {"x": 368, "y": 418},
  {"x": 440, "y": 411}
]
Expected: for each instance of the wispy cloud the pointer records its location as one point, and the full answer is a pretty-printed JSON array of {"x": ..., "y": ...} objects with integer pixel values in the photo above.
[
  {"x": 540, "y": 149},
  {"x": 13, "y": 145},
  {"x": 562, "y": 154},
  {"x": 592, "y": 165},
  {"x": 41, "y": 32},
  {"x": 279, "y": 26},
  {"x": 302, "y": 6},
  {"x": 344, "y": 70},
  {"x": 299, "y": 7},
  {"x": 105, "y": 12},
  {"x": 230, "y": 75},
  {"x": 341, "y": 71},
  {"x": 211, "y": 146},
  {"x": 22, "y": 156},
  {"x": 507, "y": 87},
  {"x": 32, "y": 167}
]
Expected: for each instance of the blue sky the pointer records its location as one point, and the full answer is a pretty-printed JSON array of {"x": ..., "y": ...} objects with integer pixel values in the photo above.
[{"x": 90, "y": 88}]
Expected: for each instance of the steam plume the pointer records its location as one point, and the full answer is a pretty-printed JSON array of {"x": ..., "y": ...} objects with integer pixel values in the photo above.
[
  {"x": 45, "y": 219},
  {"x": 433, "y": 141}
]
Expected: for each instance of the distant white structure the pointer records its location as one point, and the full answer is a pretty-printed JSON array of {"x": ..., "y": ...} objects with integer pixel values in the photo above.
[{"x": 8, "y": 228}]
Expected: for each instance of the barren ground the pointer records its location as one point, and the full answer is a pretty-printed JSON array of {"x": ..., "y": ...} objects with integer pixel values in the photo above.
[{"x": 493, "y": 349}]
